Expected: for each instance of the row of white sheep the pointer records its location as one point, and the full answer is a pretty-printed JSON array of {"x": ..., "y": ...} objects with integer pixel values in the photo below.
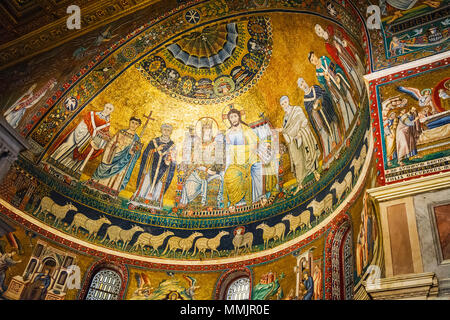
[
  {"x": 114, "y": 233},
  {"x": 357, "y": 163}
]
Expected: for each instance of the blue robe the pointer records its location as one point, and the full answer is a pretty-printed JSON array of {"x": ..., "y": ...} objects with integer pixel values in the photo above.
[
  {"x": 341, "y": 93},
  {"x": 38, "y": 289},
  {"x": 309, "y": 285},
  {"x": 122, "y": 160}
]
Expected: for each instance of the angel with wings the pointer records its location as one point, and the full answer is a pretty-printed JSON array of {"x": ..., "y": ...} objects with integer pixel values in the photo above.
[
  {"x": 96, "y": 41},
  {"x": 424, "y": 97}
]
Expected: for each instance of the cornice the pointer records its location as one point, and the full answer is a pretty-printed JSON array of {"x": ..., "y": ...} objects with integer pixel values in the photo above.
[
  {"x": 406, "y": 66},
  {"x": 96, "y": 15},
  {"x": 408, "y": 286}
]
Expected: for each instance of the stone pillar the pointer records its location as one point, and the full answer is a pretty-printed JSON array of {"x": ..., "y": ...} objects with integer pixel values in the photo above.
[{"x": 416, "y": 266}]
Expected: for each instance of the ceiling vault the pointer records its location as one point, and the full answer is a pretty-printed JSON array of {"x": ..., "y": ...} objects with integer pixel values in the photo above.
[{"x": 50, "y": 29}]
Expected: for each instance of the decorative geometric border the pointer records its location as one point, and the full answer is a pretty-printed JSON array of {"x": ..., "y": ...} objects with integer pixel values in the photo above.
[
  {"x": 217, "y": 100},
  {"x": 342, "y": 220},
  {"x": 377, "y": 44}
]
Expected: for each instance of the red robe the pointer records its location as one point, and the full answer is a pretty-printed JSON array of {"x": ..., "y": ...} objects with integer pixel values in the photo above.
[
  {"x": 82, "y": 154},
  {"x": 333, "y": 51},
  {"x": 340, "y": 33}
]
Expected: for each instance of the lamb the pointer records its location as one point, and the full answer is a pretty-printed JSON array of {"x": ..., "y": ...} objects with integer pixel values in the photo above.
[
  {"x": 357, "y": 164},
  {"x": 328, "y": 203},
  {"x": 116, "y": 233},
  {"x": 345, "y": 185},
  {"x": 183, "y": 244},
  {"x": 147, "y": 239},
  {"x": 272, "y": 233},
  {"x": 91, "y": 226},
  {"x": 349, "y": 180},
  {"x": 340, "y": 189},
  {"x": 303, "y": 218},
  {"x": 317, "y": 207},
  {"x": 242, "y": 240},
  {"x": 203, "y": 244},
  {"x": 47, "y": 205}
]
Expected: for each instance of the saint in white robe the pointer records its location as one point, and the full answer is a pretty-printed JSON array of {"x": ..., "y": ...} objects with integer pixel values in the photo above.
[{"x": 303, "y": 148}]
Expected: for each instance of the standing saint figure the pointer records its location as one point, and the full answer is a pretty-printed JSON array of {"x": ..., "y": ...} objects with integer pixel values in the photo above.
[
  {"x": 333, "y": 79},
  {"x": 243, "y": 179},
  {"x": 317, "y": 278},
  {"x": 390, "y": 128},
  {"x": 360, "y": 251},
  {"x": 119, "y": 159},
  {"x": 323, "y": 117},
  {"x": 406, "y": 136},
  {"x": 204, "y": 173},
  {"x": 16, "y": 111},
  {"x": 343, "y": 56},
  {"x": 83, "y": 143},
  {"x": 156, "y": 170},
  {"x": 366, "y": 237},
  {"x": 303, "y": 148}
]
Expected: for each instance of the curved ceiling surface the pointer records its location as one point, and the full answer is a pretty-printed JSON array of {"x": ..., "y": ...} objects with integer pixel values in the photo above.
[{"x": 240, "y": 130}]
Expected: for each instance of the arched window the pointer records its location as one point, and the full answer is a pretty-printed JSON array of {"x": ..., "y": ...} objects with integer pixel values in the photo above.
[
  {"x": 235, "y": 284},
  {"x": 105, "y": 285},
  {"x": 239, "y": 289}
]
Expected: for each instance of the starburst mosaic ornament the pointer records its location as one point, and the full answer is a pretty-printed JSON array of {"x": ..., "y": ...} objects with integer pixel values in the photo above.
[
  {"x": 214, "y": 63},
  {"x": 192, "y": 16}
]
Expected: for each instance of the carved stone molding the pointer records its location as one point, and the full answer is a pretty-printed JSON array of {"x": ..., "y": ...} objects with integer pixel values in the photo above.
[
  {"x": 415, "y": 286},
  {"x": 411, "y": 187}
]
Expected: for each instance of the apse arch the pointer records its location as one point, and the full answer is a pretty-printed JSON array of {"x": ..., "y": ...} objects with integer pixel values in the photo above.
[
  {"x": 115, "y": 226},
  {"x": 99, "y": 59}
]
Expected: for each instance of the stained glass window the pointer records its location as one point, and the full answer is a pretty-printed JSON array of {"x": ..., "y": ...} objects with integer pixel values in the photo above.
[
  {"x": 239, "y": 290},
  {"x": 105, "y": 286}
]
